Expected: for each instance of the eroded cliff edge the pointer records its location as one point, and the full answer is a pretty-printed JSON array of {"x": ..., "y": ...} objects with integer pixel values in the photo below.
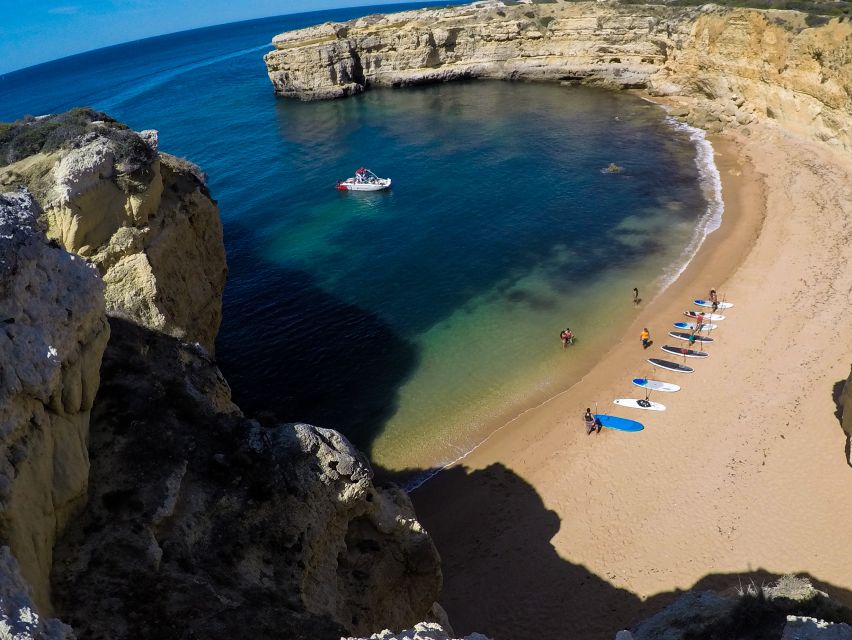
[
  {"x": 136, "y": 500},
  {"x": 734, "y": 65},
  {"x": 145, "y": 219}
]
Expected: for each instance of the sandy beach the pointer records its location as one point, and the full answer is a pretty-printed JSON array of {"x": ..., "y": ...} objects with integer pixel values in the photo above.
[{"x": 546, "y": 532}]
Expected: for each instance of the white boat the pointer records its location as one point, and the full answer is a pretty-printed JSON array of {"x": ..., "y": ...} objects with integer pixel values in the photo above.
[{"x": 364, "y": 180}]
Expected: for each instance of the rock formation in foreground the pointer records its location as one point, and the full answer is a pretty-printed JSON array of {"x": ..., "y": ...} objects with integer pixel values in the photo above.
[
  {"x": 736, "y": 64},
  {"x": 168, "y": 514},
  {"x": 220, "y": 525},
  {"x": 420, "y": 631},
  {"x": 789, "y": 609},
  {"x": 144, "y": 218},
  {"x": 52, "y": 334}
]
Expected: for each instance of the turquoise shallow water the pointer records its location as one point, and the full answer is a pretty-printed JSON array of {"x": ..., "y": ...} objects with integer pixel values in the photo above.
[{"x": 417, "y": 319}]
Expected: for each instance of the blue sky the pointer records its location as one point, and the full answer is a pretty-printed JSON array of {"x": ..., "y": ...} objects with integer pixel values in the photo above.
[{"x": 35, "y": 31}]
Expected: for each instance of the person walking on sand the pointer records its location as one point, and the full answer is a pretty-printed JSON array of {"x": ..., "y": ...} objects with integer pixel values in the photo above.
[
  {"x": 645, "y": 336},
  {"x": 591, "y": 422},
  {"x": 635, "y": 297},
  {"x": 714, "y": 299}
]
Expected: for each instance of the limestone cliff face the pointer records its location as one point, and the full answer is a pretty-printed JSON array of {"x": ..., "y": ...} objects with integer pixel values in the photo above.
[
  {"x": 768, "y": 65},
  {"x": 52, "y": 335},
  {"x": 734, "y": 65},
  {"x": 144, "y": 218},
  {"x": 225, "y": 527},
  {"x": 19, "y": 616},
  {"x": 608, "y": 45}
]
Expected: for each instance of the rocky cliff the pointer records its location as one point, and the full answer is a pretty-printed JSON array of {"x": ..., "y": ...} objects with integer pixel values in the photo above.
[
  {"x": 788, "y": 609},
  {"x": 220, "y": 525},
  {"x": 137, "y": 500},
  {"x": 52, "y": 335},
  {"x": 144, "y": 218},
  {"x": 733, "y": 65}
]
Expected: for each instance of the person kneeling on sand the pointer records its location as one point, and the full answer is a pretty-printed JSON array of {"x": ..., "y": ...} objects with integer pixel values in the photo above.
[{"x": 592, "y": 423}]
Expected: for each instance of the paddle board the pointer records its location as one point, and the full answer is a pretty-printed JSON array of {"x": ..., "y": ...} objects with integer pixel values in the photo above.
[
  {"x": 683, "y": 351},
  {"x": 692, "y": 326},
  {"x": 622, "y": 424},
  {"x": 639, "y": 404},
  {"x": 719, "y": 305},
  {"x": 656, "y": 385},
  {"x": 671, "y": 366},
  {"x": 712, "y": 317},
  {"x": 684, "y": 335}
]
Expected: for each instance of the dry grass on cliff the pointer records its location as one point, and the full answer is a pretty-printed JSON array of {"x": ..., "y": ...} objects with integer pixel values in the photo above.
[
  {"x": 761, "y": 611},
  {"x": 45, "y": 134},
  {"x": 814, "y": 8}
]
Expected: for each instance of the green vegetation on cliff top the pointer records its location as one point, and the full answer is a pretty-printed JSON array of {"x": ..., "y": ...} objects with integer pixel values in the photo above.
[
  {"x": 811, "y": 7},
  {"x": 31, "y": 135}
]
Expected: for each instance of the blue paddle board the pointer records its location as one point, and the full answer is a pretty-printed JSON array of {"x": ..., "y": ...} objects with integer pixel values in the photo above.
[
  {"x": 692, "y": 326},
  {"x": 622, "y": 424}
]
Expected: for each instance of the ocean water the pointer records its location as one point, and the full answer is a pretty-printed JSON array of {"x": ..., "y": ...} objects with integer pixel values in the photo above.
[{"x": 419, "y": 319}]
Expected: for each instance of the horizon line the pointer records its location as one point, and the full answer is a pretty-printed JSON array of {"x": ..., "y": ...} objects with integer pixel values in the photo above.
[{"x": 9, "y": 72}]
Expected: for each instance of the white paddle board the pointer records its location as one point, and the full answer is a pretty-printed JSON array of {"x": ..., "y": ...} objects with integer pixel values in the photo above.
[
  {"x": 712, "y": 317},
  {"x": 639, "y": 404},
  {"x": 656, "y": 385},
  {"x": 708, "y": 303}
]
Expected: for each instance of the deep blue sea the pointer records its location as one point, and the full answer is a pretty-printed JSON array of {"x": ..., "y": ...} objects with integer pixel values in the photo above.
[{"x": 414, "y": 320}]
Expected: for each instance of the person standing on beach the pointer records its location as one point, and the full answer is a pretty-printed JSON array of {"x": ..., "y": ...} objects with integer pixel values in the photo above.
[
  {"x": 635, "y": 297},
  {"x": 645, "y": 336},
  {"x": 592, "y": 423}
]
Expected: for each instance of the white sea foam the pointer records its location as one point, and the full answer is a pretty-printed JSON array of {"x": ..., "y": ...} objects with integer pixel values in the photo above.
[{"x": 710, "y": 183}]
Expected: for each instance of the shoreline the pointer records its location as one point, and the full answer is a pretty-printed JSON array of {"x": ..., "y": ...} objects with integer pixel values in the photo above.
[
  {"x": 742, "y": 476},
  {"x": 708, "y": 250},
  {"x": 709, "y": 224}
]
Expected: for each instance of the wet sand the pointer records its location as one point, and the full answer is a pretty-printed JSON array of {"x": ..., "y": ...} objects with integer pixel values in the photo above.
[{"x": 546, "y": 532}]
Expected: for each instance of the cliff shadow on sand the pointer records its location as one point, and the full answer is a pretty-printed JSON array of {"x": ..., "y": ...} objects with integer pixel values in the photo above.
[
  {"x": 841, "y": 394},
  {"x": 509, "y": 583}
]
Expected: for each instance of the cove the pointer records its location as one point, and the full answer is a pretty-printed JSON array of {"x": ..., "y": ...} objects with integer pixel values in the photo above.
[{"x": 419, "y": 319}]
